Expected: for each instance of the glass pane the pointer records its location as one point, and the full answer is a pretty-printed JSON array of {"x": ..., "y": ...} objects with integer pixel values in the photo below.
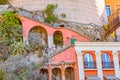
[
  {"x": 108, "y": 10},
  {"x": 105, "y": 58},
  {"x": 88, "y": 58}
]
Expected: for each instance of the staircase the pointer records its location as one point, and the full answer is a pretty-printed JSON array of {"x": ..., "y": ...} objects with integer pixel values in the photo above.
[
  {"x": 88, "y": 30},
  {"x": 115, "y": 23},
  {"x": 52, "y": 54}
]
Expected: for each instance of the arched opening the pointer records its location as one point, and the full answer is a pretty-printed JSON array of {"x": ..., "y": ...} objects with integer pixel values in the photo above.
[
  {"x": 58, "y": 38},
  {"x": 88, "y": 61},
  {"x": 69, "y": 74},
  {"x": 106, "y": 61},
  {"x": 44, "y": 75},
  {"x": 37, "y": 38},
  {"x": 56, "y": 74}
]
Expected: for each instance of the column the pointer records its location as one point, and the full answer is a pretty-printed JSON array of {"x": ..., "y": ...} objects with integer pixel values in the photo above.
[
  {"x": 50, "y": 41},
  {"x": 80, "y": 66},
  {"x": 76, "y": 75},
  {"x": 116, "y": 64},
  {"x": 25, "y": 39},
  {"x": 63, "y": 72},
  {"x": 50, "y": 72},
  {"x": 99, "y": 65}
]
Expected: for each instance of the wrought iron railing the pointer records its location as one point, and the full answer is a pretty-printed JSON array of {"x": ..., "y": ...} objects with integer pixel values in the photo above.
[
  {"x": 90, "y": 65},
  {"x": 108, "y": 64}
]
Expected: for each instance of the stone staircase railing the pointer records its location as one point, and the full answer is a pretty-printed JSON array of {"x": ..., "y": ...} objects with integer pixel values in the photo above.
[
  {"x": 54, "y": 50},
  {"x": 88, "y": 30},
  {"x": 57, "y": 51}
]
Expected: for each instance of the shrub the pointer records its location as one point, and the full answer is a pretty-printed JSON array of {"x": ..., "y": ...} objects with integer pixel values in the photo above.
[
  {"x": 106, "y": 27},
  {"x": 50, "y": 18},
  {"x": 3, "y": 2},
  {"x": 50, "y": 9},
  {"x": 63, "y": 15},
  {"x": 50, "y": 15},
  {"x": 2, "y": 74},
  {"x": 40, "y": 54}
]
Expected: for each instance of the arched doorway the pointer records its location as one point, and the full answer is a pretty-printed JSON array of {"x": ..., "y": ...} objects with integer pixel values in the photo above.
[
  {"x": 37, "y": 37},
  {"x": 69, "y": 74},
  {"x": 56, "y": 74},
  {"x": 44, "y": 75},
  {"x": 58, "y": 38}
]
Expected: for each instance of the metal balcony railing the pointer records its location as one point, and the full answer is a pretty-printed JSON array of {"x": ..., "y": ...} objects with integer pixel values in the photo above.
[
  {"x": 108, "y": 64},
  {"x": 90, "y": 65}
]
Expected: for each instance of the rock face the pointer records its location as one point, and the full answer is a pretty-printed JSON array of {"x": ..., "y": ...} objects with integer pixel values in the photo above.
[
  {"x": 89, "y": 11},
  {"x": 3, "y": 7}
]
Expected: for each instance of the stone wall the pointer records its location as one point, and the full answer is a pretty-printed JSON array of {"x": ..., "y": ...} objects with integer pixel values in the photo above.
[
  {"x": 82, "y": 11},
  {"x": 118, "y": 34}
]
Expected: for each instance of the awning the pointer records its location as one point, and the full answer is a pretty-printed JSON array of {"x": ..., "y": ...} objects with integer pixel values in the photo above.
[
  {"x": 110, "y": 77},
  {"x": 92, "y": 78}
]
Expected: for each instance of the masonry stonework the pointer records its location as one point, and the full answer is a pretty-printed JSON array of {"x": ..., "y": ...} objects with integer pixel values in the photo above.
[{"x": 82, "y": 11}]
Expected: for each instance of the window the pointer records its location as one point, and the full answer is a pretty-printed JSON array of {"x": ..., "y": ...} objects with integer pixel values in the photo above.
[
  {"x": 107, "y": 63},
  {"x": 105, "y": 58},
  {"x": 108, "y": 10},
  {"x": 88, "y": 61},
  {"x": 88, "y": 58}
]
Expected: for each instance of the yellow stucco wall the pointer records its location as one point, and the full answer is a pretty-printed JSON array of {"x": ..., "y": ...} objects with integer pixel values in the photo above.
[
  {"x": 114, "y": 5},
  {"x": 114, "y": 8}
]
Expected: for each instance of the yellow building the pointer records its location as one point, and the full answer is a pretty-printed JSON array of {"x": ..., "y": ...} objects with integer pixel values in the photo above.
[
  {"x": 114, "y": 5},
  {"x": 113, "y": 13}
]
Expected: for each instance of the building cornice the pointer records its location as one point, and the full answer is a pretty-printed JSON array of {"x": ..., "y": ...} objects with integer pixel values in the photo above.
[{"x": 97, "y": 46}]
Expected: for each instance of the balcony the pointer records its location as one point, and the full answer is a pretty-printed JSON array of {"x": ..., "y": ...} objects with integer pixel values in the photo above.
[
  {"x": 108, "y": 65},
  {"x": 89, "y": 65}
]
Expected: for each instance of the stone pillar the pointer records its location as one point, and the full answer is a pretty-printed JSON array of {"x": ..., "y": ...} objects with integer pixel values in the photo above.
[
  {"x": 76, "y": 75},
  {"x": 80, "y": 66},
  {"x": 99, "y": 65},
  {"x": 50, "y": 41},
  {"x": 25, "y": 39},
  {"x": 50, "y": 72},
  {"x": 116, "y": 64},
  {"x": 63, "y": 72}
]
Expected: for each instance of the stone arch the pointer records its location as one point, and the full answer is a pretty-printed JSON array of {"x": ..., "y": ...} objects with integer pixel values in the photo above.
[
  {"x": 44, "y": 74},
  {"x": 56, "y": 74},
  {"x": 38, "y": 36},
  {"x": 58, "y": 38},
  {"x": 69, "y": 73}
]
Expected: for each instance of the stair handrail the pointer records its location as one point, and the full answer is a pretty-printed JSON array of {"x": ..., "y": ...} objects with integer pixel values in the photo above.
[
  {"x": 52, "y": 51},
  {"x": 113, "y": 24}
]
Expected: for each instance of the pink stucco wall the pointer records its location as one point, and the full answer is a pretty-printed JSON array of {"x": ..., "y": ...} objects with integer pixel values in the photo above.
[
  {"x": 28, "y": 24},
  {"x": 68, "y": 55}
]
